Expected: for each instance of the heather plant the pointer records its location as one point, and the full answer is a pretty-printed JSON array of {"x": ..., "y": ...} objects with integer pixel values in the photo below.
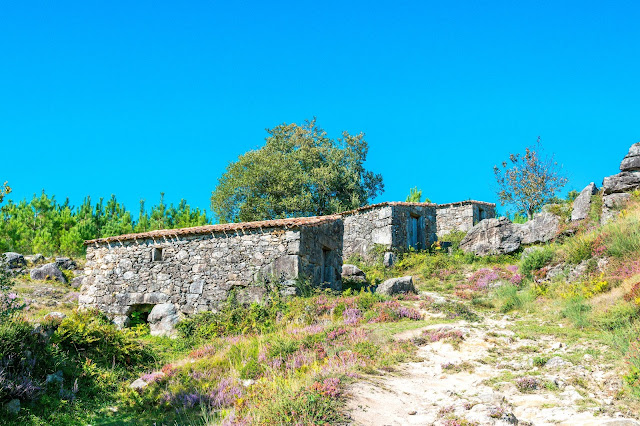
[
  {"x": 527, "y": 384},
  {"x": 535, "y": 260},
  {"x": 10, "y": 303}
]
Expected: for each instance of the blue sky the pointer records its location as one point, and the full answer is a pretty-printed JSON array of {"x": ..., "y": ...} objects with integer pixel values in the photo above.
[{"x": 135, "y": 98}]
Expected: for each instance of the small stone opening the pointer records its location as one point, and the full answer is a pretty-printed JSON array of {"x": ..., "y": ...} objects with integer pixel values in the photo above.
[
  {"x": 326, "y": 273},
  {"x": 156, "y": 254},
  {"x": 139, "y": 314}
]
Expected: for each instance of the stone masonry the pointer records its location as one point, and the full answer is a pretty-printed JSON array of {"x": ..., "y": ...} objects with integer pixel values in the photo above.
[
  {"x": 462, "y": 216},
  {"x": 391, "y": 225},
  {"x": 195, "y": 268}
]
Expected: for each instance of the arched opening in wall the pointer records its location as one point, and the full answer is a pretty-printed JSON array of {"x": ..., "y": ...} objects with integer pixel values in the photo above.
[{"x": 139, "y": 314}]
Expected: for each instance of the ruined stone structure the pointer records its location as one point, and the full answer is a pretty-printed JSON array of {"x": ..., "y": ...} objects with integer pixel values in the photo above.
[
  {"x": 195, "y": 268},
  {"x": 391, "y": 225},
  {"x": 462, "y": 216}
]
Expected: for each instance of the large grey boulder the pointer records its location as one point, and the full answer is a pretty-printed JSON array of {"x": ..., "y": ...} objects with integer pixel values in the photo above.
[
  {"x": 622, "y": 182},
  {"x": 163, "y": 319},
  {"x": 352, "y": 272},
  {"x": 35, "y": 259},
  {"x": 611, "y": 205},
  {"x": 582, "y": 204},
  {"x": 50, "y": 271},
  {"x": 631, "y": 161},
  {"x": 492, "y": 236},
  {"x": 396, "y": 286},
  {"x": 542, "y": 228},
  {"x": 13, "y": 260},
  {"x": 66, "y": 263}
]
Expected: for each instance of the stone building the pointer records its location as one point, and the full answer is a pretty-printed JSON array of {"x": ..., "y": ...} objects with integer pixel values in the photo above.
[
  {"x": 195, "y": 268},
  {"x": 462, "y": 216},
  {"x": 394, "y": 225}
]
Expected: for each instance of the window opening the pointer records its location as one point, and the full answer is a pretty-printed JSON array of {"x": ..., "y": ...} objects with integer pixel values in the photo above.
[{"x": 156, "y": 254}]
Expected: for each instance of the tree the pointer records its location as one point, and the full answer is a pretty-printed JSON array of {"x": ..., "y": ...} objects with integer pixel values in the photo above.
[
  {"x": 529, "y": 180},
  {"x": 415, "y": 196},
  {"x": 298, "y": 172},
  {"x": 4, "y": 190}
]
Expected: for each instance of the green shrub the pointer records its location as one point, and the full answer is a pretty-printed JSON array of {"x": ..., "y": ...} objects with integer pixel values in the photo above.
[
  {"x": 453, "y": 237},
  {"x": 578, "y": 248},
  {"x": 622, "y": 239},
  {"x": 535, "y": 260},
  {"x": 619, "y": 315},
  {"x": 509, "y": 298},
  {"x": 595, "y": 210},
  {"x": 91, "y": 335}
]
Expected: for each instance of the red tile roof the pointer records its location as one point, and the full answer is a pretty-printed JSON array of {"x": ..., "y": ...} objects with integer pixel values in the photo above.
[{"x": 290, "y": 223}]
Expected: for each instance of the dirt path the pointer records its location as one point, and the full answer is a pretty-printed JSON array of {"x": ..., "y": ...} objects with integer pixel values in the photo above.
[{"x": 482, "y": 383}]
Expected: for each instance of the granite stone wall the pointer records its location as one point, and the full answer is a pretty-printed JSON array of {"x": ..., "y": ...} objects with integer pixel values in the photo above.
[
  {"x": 196, "y": 272},
  {"x": 389, "y": 225},
  {"x": 462, "y": 216}
]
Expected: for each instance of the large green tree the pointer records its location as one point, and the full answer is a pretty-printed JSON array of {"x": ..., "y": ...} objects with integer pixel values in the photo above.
[{"x": 298, "y": 172}]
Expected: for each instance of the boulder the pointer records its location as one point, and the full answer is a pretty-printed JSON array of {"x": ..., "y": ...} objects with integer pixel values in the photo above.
[
  {"x": 13, "y": 260},
  {"x": 66, "y": 263},
  {"x": 389, "y": 259},
  {"x": 76, "y": 282},
  {"x": 631, "y": 161},
  {"x": 557, "y": 362},
  {"x": 162, "y": 320},
  {"x": 396, "y": 286},
  {"x": 492, "y": 236},
  {"x": 611, "y": 205},
  {"x": 622, "y": 182},
  {"x": 35, "y": 259},
  {"x": 138, "y": 385},
  {"x": 542, "y": 228},
  {"x": 582, "y": 204},
  {"x": 352, "y": 272},
  {"x": 49, "y": 271}
]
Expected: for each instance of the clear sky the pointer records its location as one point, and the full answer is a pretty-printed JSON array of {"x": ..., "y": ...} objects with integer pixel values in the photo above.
[{"x": 138, "y": 97}]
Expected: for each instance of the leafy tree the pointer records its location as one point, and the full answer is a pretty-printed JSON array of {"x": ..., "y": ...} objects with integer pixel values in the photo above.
[
  {"x": 4, "y": 190},
  {"x": 298, "y": 172},
  {"x": 529, "y": 180},
  {"x": 415, "y": 196}
]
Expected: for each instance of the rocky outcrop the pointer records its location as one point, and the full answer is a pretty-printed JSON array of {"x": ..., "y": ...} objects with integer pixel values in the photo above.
[
  {"x": 35, "y": 259},
  {"x": 13, "y": 260},
  {"x": 582, "y": 204},
  {"x": 50, "y": 271},
  {"x": 353, "y": 273},
  {"x": 492, "y": 236},
  {"x": 631, "y": 161},
  {"x": 396, "y": 286},
  {"x": 622, "y": 182},
  {"x": 542, "y": 228},
  {"x": 66, "y": 263},
  {"x": 611, "y": 204},
  {"x": 163, "y": 319}
]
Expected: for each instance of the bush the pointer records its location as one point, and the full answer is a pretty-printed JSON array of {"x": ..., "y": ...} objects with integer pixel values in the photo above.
[
  {"x": 623, "y": 239},
  {"x": 510, "y": 298},
  {"x": 618, "y": 316},
  {"x": 577, "y": 311},
  {"x": 535, "y": 260},
  {"x": 578, "y": 248},
  {"x": 91, "y": 335},
  {"x": 453, "y": 237}
]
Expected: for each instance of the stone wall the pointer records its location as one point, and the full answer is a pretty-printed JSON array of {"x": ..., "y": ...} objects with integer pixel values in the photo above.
[
  {"x": 196, "y": 272},
  {"x": 462, "y": 216},
  {"x": 389, "y": 225}
]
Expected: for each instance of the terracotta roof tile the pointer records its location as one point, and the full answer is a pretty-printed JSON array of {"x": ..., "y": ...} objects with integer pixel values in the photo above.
[
  {"x": 466, "y": 202},
  {"x": 294, "y": 222}
]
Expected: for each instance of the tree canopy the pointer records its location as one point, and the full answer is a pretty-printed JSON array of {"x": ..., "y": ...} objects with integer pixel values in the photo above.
[
  {"x": 528, "y": 181},
  {"x": 299, "y": 171}
]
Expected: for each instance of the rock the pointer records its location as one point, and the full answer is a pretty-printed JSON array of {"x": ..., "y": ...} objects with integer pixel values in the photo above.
[
  {"x": 631, "y": 162},
  {"x": 76, "y": 282},
  {"x": 397, "y": 285},
  {"x": 13, "y": 406},
  {"x": 413, "y": 412},
  {"x": 121, "y": 321},
  {"x": 557, "y": 362},
  {"x": 66, "y": 263},
  {"x": 352, "y": 272},
  {"x": 492, "y": 236},
  {"x": 13, "y": 260},
  {"x": 49, "y": 271},
  {"x": 55, "y": 315},
  {"x": 611, "y": 204},
  {"x": 621, "y": 422},
  {"x": 138, "y": 385},
  {"x": 622, "y": 182},
  {"x": 35, "y": 259},
  {"x": 542, "y": 228},
  {"x": 510, "y": 418},
  {"x": 582, "y": 204},
  {"x": 162, "y": 319},
  {"x": 56, "y": 377},
  {"x": 389, "y": 259},
  {"x": 289, "y": 288}
]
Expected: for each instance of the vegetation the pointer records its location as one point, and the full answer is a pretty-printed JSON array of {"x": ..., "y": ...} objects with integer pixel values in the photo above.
[
  {"x": 415, "y": 196},
  {"x": 4, "y": 190},
  {"x": 298, "y": 172},
  {"x": 529, "y": 181},
  {"x": 43, "y": 225}
]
